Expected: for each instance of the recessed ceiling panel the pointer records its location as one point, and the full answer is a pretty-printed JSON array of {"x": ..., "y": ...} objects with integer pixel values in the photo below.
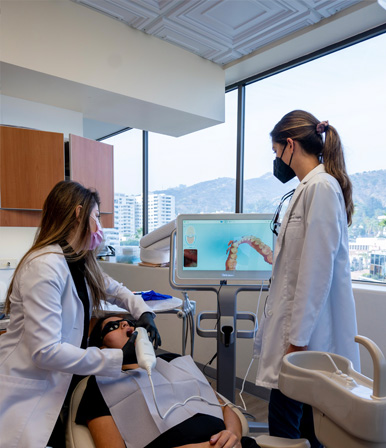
[{"x": 220, "y": 30}]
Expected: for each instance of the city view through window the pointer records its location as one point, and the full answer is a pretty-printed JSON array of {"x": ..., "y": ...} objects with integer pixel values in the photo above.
[{"x": 196, "y": 173}]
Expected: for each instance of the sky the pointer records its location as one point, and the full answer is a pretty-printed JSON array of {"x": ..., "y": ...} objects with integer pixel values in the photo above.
[{"x": 348, "y": 88}]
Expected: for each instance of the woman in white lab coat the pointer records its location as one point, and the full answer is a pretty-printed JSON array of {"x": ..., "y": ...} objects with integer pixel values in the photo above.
[
  {"x": 55, "y": 288},
  {"x": 310, "y": 305}
]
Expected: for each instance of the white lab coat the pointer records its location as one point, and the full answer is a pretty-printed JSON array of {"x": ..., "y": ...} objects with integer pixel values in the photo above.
[
  {"x": 40, "y": 351},
  {"x": 310, "y": 302}
]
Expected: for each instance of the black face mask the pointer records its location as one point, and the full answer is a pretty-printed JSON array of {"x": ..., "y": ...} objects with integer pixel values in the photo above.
[{"x": 281, "y": 170}]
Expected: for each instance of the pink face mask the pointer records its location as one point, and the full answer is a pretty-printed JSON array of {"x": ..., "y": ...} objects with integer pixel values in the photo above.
[{"x": 96, "y": 237}]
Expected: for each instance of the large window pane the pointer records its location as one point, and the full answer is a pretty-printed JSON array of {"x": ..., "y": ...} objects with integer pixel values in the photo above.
[
  {"x": 127, "y": 194},
  {"x": 348, "y": 89},
  {"x": 196, "y": 171}
]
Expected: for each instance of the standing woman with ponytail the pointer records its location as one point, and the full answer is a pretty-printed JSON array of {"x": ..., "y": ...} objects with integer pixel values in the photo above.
[
  {"x": 55, "y": 288},
  {"x": 310, "y": 304}
]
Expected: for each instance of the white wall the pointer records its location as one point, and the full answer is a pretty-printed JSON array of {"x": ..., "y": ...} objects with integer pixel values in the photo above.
[
  {"x": 29, "y": 114},
  {"x": 370, "y": 303},
  {"x": 15, "y": 241}
]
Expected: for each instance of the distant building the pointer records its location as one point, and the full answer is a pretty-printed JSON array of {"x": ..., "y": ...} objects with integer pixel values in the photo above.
[
  {"x": 124, "y": 214},
  {"x": 111, "y": 237},
  {"x": 368, "y": 255},
  {"x": 128, "y": 212},
  {"x": 162, "y": 209},
  {"x": 378, "y": 265}
]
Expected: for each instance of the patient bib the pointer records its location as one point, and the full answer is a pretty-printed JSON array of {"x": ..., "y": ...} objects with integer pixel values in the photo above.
[{"x": 131, "y": 402}]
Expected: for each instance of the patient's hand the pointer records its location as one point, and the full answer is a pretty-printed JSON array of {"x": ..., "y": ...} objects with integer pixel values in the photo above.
[{"x": 225, "y": 439}]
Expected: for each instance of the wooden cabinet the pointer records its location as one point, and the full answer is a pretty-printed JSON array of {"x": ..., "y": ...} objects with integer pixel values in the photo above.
[
  {"x": 31, "y": 163},
  {"x": 92, "y": 165}
]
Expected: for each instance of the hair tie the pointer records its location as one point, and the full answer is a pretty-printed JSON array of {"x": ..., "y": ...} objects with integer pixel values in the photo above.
[{"x": 321, "y": 127}]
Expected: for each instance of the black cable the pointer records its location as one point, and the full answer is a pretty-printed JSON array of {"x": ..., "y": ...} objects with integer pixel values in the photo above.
[
  {"x": 209, "y": 363},
  {"x": 222, "y": 283}
]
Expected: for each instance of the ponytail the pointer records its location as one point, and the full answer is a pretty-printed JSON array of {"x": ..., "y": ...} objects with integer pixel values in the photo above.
[{"x": 333, "y": 159}]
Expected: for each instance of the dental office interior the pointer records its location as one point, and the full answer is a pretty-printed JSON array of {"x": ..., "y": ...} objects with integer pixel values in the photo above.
[{"x": 192, "y": 104}]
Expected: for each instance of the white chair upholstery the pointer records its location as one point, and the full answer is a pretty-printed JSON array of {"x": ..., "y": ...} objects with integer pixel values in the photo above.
[
  {"x": 265, "y": 441},
  {"x": 77, "y": 436}
]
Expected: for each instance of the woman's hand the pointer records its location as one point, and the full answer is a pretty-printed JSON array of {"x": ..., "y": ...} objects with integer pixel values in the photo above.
[
  {"x": 225, "y": 439},
  {"x": 146, "y": 320}
]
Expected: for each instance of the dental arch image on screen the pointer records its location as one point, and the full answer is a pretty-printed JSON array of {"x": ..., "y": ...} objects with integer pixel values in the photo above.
[{"x": 224, "y": 246}]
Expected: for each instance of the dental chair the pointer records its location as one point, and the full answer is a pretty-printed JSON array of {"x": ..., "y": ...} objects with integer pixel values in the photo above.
[
  {"x": 349, "y": 408},
  {"x": 78, "y": 436}
]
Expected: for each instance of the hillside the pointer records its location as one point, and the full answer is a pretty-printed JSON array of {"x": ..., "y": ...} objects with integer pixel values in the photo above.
[{"x": 263, "y": 194}]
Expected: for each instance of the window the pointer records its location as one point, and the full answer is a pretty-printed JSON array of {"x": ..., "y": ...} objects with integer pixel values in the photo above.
[
  {"x": 346, "y": 88},
  {"x": 197, "y": 171},
  {"x": 127, "y": 192}
]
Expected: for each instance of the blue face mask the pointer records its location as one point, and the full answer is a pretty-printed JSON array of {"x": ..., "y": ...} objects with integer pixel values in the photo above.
[{"x": 281, "y": 170}]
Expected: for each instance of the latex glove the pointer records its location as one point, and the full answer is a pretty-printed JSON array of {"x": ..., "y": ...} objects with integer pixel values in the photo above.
[
  {"x": 146, "y": 321},
  {"x": 129, "y": 356}
]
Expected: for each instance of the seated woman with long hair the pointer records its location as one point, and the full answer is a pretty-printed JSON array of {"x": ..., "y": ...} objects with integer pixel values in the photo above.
[{"x": 122, "y": 412}]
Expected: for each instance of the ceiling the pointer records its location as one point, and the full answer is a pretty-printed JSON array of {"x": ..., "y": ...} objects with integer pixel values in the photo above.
[{"x": 222, "y": 31}]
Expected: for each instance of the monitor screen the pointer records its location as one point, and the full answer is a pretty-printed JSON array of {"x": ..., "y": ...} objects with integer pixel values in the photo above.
[{"x": 222, "y": 246}]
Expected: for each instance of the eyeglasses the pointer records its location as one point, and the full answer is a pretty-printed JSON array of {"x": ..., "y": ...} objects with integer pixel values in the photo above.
[
  {"x": 275, "y": 223},
  {"x": 114, "y": 325}
]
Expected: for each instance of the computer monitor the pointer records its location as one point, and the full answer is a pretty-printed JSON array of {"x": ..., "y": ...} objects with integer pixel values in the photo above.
[{"x": 231, "y": 246}]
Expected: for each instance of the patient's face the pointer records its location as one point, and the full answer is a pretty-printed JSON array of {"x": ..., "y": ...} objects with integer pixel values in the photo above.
[{"x": 117, "y": 338}]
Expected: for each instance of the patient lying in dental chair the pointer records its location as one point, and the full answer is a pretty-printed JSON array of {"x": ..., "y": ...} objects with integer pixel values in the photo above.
[{"x": 122, "y": 412}]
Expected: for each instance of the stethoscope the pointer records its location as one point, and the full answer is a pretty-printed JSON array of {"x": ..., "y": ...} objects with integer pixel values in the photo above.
[{"x": 275, "y": 223}]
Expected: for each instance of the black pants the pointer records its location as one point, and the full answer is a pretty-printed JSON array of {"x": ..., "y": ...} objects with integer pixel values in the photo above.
[
  {"x": 58, "y": 436},
  {"x": 291, "y": 419}
]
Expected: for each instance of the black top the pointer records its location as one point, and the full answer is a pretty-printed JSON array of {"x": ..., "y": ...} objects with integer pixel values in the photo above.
[{"x": 77, "y": 269}]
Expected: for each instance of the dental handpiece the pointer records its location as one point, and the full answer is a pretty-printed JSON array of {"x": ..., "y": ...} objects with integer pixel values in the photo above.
[{"x": 144, "y": 350}]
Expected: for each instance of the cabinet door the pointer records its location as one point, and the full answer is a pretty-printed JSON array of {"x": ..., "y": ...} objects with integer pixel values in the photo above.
[
  {"x": 92, "y": 165},
  {"x": 31, "y": 163}
]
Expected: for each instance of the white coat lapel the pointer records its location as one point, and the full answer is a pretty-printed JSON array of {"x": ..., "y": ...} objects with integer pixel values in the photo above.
[
  {"x": 284, "y": 223},
  {"x": 299, "y": 189}
]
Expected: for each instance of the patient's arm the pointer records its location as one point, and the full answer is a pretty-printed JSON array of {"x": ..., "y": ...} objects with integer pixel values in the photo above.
[
  {"x": 105, "y": 433},
  {"x": 229, "y": 438}
]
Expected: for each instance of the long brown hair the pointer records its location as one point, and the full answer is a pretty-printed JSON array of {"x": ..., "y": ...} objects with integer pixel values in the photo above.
[
  {"x": 57, "y": 223},
  {"x": 301, "y": 126}
]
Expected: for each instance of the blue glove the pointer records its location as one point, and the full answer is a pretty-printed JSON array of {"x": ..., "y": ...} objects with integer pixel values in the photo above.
[
  {"x": 152, "y": 295},
  {"x": 146, "y": 320}
]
